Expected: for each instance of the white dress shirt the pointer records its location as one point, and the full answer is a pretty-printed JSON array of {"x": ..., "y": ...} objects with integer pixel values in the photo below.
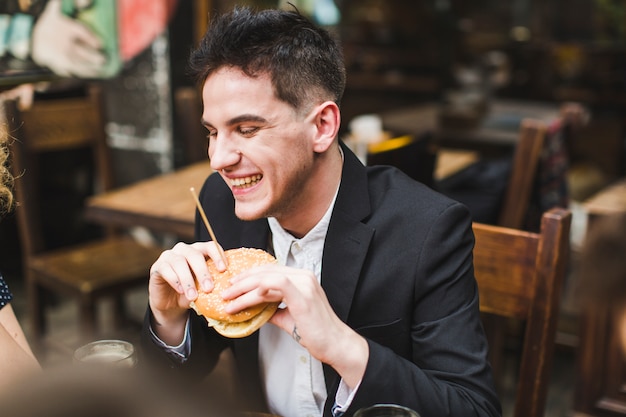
[{"x": 293, "y": 380}]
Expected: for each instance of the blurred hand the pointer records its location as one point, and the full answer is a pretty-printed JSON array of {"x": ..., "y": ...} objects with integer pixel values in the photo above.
[
  {"x": 23, "y": 93},
  {"x": 66, "y": 46}
]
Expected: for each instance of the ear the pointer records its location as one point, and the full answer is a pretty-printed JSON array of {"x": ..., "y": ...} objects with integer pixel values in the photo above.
[{"x": 327, "y": 119}]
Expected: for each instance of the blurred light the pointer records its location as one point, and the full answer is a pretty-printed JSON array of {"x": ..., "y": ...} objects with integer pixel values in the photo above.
[
  {"x": 326, "y": 13},
  {"x": 520, "y": 33}
]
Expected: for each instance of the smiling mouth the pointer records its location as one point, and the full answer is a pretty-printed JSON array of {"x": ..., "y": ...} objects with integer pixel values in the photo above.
[{"x": 246, "y": 182}]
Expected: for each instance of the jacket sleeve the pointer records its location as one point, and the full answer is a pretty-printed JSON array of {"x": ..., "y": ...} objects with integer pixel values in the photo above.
[{"x": 206, "y": 344}]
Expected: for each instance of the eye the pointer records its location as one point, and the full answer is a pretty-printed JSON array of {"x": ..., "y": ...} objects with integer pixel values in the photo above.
[
  {"x": 211, "y": 134},
  {"x": 247, "y": 131}
]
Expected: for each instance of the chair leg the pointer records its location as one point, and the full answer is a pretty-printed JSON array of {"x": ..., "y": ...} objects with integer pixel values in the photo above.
[
  {"x": 36, "y": 308},
  {"x": 119, "y": 311},
  {"x": 88, "y": 319}
]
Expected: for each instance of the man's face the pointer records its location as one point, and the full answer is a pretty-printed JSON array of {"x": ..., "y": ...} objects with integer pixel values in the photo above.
[{"x": 260, "y": 145}]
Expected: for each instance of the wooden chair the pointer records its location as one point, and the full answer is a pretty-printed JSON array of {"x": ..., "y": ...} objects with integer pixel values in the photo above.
[
  {"x": 523, "y": 172},
  {"x": 520, "y": 276},
  {"x": 86, "y": 271},
  {"x": 538, "y": 180},
  {"x": 537, "y": 183},
  {"x": 485, "y": 189}
]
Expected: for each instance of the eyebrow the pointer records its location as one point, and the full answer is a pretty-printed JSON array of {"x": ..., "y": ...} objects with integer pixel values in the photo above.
[{"x": 240, "y": 119}]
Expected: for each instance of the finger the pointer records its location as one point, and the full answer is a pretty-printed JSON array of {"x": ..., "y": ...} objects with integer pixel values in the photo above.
[
  {"x": 257, "y": 277},
  {"x": 83, "y": 35},
  {"x": 199, "y": 265},
  {"x": 163, "y": 271},
  {"x": 283, "y": 319},
  {"x": 214, "y": 251},
  {"x": 252, "y": 298},
  {"x": 175, "y": 268},
  {"x": 268, "y": 269},
  {"x": 88, "y": 56},
  {"x": 253, "y": 290}
]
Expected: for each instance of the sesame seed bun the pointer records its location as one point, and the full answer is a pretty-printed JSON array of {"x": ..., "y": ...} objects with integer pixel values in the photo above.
[{"x": 211, "y": 305}]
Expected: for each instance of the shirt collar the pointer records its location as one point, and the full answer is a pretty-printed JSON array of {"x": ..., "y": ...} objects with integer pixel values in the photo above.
[{"x": 312, "y": 242}]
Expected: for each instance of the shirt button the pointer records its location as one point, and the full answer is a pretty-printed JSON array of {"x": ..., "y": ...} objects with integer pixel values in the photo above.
[{"x": 303, "y": 359}]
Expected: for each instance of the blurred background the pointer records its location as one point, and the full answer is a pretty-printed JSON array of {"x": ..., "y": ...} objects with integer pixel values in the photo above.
[{"x": 462, "y": 56}]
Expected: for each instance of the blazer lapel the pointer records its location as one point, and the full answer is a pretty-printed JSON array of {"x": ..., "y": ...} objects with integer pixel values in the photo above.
[
  {"x": 348, "y": 238},
  {"x": 346, "y": 246}
]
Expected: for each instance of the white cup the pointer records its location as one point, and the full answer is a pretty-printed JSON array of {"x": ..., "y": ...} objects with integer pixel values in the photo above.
[
  {"x": 107, "y": 352},
  {"x": 367, "y": 128},
  {"x": 386, "y": 410}
]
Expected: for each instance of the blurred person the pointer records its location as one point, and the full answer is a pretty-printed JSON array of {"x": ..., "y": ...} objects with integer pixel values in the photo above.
[
  {"x": 16, "y": 357},
  {"x": 77, "y": 38},
  {"x": 65, "y": 45},
  {"x": 38, "y": 31},
  {"x": 374, "y": 272},
  {"x": 602, "y": 270},
  {"x": 98, "y": 391}
]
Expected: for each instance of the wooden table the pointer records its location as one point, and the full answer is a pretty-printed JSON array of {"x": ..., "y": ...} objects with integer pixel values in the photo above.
[
  {"x": 452, "y": 161},
  {"x": 161, "y": 204},
  {"x": 601, "y": 369},
  {"x": 609, "y": 200},
  {"x": 499, "y": 127}
]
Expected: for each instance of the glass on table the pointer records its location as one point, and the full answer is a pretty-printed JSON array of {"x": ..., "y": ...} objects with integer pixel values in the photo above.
[
  {"x": 119, "y": 353},
  {"x": 386, "y": 410}
]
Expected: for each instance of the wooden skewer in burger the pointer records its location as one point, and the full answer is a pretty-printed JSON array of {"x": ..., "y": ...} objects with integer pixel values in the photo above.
[{"x": 211, "y": 305}]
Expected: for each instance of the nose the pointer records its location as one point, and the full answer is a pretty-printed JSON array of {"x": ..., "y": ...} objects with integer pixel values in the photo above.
[{"x": 223, "y": 153}]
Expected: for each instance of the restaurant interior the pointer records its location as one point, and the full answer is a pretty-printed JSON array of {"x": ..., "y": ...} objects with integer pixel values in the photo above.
[{"x": 447, "y": 90}]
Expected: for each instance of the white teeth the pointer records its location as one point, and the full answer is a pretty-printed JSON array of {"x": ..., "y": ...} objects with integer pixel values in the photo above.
[{"x": 245, "y": 181}]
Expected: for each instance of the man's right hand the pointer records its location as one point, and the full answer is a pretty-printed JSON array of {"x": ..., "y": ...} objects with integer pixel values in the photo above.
[{"x": 173, "y": 281}]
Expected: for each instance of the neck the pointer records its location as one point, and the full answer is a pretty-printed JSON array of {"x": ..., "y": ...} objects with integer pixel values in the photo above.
[{"x": 317, "y": 195}]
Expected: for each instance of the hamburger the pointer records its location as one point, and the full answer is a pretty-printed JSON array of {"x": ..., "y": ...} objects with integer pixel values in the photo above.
[{"x": 211, "y": 305}]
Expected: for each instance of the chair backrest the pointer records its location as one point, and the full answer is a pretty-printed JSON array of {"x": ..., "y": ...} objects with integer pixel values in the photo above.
[
  {"x": 53, "y": 125},
  {"x": 522, "y": 175},
  {"x": 520, "y": 276},
  {"x": 498, "y": 191},
  {"x": 538, "y": 180},
  {"x": 550, "y": 187}
]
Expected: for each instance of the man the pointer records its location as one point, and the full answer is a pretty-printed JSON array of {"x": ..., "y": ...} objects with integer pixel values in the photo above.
[{"x": 374, "y": 269}]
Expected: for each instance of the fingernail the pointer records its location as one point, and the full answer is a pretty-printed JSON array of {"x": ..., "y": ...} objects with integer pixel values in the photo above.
[
  {"x": 191, "y": 293},
  {"x": 207, "y": 285},
  {"x": 220, "y": 264}
]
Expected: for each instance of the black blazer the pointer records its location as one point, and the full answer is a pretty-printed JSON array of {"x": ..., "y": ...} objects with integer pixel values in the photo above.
[{"x": 397, "y": 268}]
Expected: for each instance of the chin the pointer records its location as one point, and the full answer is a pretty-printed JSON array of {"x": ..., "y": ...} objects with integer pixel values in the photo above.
[{"x": 248, "y": 213}]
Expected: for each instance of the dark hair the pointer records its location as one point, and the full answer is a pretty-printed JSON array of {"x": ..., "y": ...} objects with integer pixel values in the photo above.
[
  {"x": 304, "y": 61},
  {"x": 602, "y": 279}
]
